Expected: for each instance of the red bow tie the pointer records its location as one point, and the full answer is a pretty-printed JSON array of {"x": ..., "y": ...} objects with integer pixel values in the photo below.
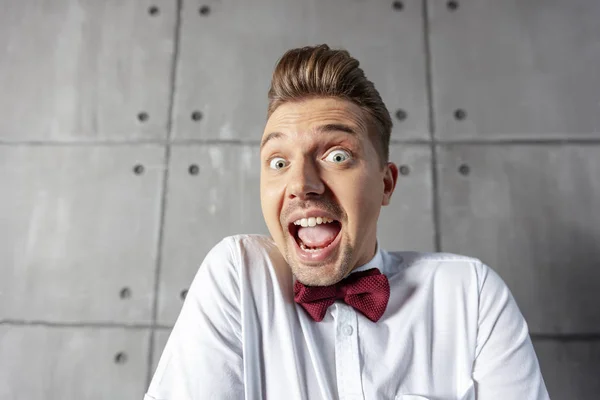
[{"x": 367, "y": 291}]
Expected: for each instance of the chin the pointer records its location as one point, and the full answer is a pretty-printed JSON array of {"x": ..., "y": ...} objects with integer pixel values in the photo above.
[
  {"x": 316, "y": 245},
  {"x": 324, "y": 272}
]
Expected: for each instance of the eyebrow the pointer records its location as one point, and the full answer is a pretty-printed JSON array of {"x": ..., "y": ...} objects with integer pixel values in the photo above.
[{"x": 321, "y": 129}]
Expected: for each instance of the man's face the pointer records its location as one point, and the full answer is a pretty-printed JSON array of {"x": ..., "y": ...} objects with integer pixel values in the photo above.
[{"x": 322, "y": 187}]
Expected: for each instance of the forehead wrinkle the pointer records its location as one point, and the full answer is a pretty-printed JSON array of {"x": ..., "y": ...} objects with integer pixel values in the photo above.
[
  {"x": 298, "y": 119},
  {"x": 315, "y": 124}
]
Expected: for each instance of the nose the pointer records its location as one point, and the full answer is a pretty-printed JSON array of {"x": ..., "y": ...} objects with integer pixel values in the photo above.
[{"x": 305, "y": 180}]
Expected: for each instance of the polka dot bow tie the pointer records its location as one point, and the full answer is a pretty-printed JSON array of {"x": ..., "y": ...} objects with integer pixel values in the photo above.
[{"x": 367, "y": 291}]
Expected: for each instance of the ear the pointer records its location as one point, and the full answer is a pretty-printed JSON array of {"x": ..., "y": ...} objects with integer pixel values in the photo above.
[{"x": 390, "y": 177}]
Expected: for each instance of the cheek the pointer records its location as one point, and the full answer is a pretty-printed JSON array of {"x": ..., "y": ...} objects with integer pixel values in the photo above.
[
  {"x": 361, "y": 199},
  {"x": 271, "y": 198}
]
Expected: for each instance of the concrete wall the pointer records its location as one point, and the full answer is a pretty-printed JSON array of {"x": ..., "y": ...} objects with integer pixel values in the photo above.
[{"x": 128, "y": 147}]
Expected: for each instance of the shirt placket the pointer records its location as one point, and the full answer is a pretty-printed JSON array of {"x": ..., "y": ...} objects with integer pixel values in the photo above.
[{"x": 347, "y": 360}]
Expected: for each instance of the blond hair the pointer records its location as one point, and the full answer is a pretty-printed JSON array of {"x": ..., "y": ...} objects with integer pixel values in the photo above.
[{"x": 319, "y": 71}]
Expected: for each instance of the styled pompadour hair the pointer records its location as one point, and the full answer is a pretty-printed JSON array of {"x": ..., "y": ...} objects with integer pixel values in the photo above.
[{"x": 319, "y": 71}]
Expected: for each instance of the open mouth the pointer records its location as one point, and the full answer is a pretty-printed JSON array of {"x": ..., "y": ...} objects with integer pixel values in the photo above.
[{"x": 316, "y": 237}]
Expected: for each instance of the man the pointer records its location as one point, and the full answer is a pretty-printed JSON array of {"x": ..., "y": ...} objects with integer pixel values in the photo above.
[{"x": 320, "y": 311}]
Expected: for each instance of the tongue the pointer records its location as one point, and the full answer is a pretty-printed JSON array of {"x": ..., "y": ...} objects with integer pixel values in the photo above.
[{"x": 318, "y": 236}]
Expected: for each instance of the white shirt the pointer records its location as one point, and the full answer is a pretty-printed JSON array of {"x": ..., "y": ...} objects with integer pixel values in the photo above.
[{"x": 451, "y": 330}]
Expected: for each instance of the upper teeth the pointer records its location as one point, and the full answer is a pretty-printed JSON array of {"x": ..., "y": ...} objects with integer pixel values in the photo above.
[{"x": 312, "y": 221}]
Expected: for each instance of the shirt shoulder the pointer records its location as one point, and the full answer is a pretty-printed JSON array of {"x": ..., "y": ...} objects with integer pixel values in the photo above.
[
  {"x": 248, "y": 249},
  {"x": 236, "y": 247},
  {"x": 448, "y": 268},
  {"x": 416, "y": 257},
  {"x": 225, "y": 261},
  {"x": 240, "y": 256}
]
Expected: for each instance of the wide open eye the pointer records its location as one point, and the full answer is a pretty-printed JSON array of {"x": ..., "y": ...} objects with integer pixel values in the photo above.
[
  {"x": 278, "y": 163},
  {"x": 338, "y": 156}
]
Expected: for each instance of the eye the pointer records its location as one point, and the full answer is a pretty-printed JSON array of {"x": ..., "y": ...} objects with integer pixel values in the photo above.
[
  {"x": 277, "y": 163},
  {"x": 338, "y": 156}
]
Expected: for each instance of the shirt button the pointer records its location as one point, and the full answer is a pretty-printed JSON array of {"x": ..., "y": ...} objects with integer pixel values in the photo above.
[{"x": 348, "y": 330}]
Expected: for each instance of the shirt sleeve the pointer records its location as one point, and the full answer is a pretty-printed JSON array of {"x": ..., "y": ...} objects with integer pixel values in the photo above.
[
  {"x": 506, "y": 366},
  {"x": 203, "y": 355}
]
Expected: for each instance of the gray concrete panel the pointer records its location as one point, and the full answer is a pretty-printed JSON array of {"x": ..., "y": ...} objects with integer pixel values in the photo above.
[
  {"x": 531, "y": 213},
  {"x": 570, "y": 369},
  {"x": 221, "y": 199},
  {"x": 73, "y": 70},
  {"x": 229, "y": 49},
  {"x": 160, "y": 341},
  {"x": 79, "y": 232},
  {"x": 407, "y": 222},
  {"x": 64, "y": 363},
  {"x": 518, "y": 69}
]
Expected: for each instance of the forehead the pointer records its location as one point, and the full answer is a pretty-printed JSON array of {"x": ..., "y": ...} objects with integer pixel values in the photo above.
[{"x": 307, "y": 115}]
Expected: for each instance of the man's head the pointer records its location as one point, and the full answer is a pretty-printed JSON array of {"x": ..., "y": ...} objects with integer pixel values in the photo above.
[{"x": 324, "y": 161}]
